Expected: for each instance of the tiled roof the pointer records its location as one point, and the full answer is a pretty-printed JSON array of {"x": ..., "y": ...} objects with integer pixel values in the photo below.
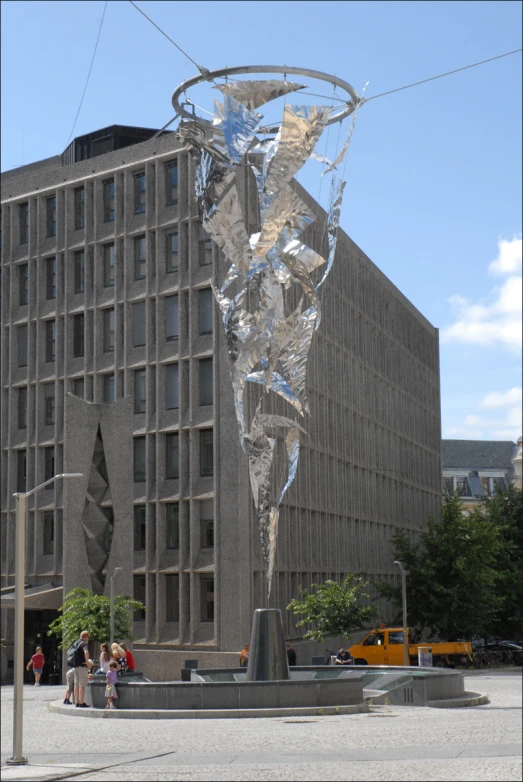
[{"x": 477, "y": 454}]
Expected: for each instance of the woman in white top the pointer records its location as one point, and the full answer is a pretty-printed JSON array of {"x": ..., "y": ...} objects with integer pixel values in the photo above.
[{"x": 105, "y": 658}]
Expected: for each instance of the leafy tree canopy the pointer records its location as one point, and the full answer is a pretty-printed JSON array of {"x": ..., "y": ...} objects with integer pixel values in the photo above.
[
  {"x": 84, "y": 611},
  {"x": 452, "y": 581},
  {"x": 333, "y": 609}
]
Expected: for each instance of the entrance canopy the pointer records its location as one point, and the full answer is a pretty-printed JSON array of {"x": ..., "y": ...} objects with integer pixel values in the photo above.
[{"x": 39, "y": 597}]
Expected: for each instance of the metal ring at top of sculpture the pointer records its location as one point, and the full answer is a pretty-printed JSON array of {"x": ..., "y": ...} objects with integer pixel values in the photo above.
[{"x": 351, "y": 105}]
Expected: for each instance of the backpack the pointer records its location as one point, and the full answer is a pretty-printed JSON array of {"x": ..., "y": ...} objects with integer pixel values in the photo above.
[{"x": 75, "y": 655}]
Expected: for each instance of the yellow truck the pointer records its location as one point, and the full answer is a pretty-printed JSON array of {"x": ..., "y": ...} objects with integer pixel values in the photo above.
[{"x": 385, "y": 647}]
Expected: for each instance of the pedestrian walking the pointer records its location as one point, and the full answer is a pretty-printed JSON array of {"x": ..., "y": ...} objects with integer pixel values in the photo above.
[
  {"x": 110, "y": 689},
  {"x": 37, "y": 663},
  {"x": 69, "y": 677}
]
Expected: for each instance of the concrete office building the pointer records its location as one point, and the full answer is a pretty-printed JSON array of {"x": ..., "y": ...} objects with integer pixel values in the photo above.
[{"x": 114, "y": 365}]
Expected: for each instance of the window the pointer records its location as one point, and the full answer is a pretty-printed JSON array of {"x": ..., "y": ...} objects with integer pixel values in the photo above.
[
  {"x": 24, "y": 223},
  {"x": 22, "y": 408},
  {"x": 462, "y": 487},
  {"x": 171, "y": 387},
  {"x": 171, "y": 183},
  {"x": 139, "y": 391},
  {"x": 374, "y": 639},
  {"x": 50, "y": 340},
  {"x": 108, "y": 316},
  {"x": 204, "y": 247},
  {"x": 171, "y": 318},
  {"x": 108, "y": 390},
  {"x": 139, "y": 594},
  {"x": 139, "y": 258},
  {"x": 48, "y": 519},
  {"x": 171, "y": 252},
  {"x": 172, "y": 597},
  {"x": 78, "y": 336},
  {"x": 172, "y": 525},
  {"x": 448, "y": 485},
  {"x": 49, "y": 404},
  {"x": 50, "y": 278},
  {"x": 21, "y": 471},
  {"x": 108, "y": 251},
  {"x": 22, "y": 345},
  {"x": 485, "y": 482},
  {"x": 23, "y": 284},
  {"x": 49, "y": 463},
  {"x": 206, "y": 452},
  {"x": 139, "y": 459},
  {"x": 139, "y": 324},
  {"x": 79, "y": 387},
  {"x": 79, "y": 208},
  {"x": 108, "y": 200},
  {"x": 51, "y": 216},
  {"x": 139, "y": 527},
  {"x": 205, "y": 311},
  {"x": 139, "y": 193},
  {"x": 396, "y": 637},
  {"x": 207, "y": 524},
  {"x": 207, "y": 598},
  {"x": 498, "y": 484},
  {"x": 172, "y": 456},
  {"x": 206, "y": 391},
  {"x": 79, "y": 271}
]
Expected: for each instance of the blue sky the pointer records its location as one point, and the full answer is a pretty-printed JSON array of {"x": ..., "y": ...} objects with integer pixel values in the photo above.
[{"x": 433, "y": 192}]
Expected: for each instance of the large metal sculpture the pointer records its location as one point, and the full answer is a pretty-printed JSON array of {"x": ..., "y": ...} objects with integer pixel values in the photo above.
[{"x": 269, "y": 298}]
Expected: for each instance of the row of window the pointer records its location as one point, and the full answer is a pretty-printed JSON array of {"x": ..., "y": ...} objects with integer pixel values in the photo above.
[
  {"x": 172, "y": 455},
  {"x": 108, "y": 262},
  {"x": 172, "y": 395},
  {"x": 108, "y": 192},
  {"x": 172, "y": 459},
  {"x": 108, "y": 327},
  {"x": 172, "y": 526},
  {"x": 172, "y": 597},
  {"x": 462, "y": 487}
]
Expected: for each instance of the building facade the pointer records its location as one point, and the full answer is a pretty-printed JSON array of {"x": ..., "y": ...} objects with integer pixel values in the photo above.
[
  {"x": 477, "y": 468},
  {"x": 114, "y": 365}
]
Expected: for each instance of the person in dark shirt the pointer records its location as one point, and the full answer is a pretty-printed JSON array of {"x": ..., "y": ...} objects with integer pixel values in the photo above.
[
  {"x": 291, "y": 654},
  {"x": 343, "y": 657}
]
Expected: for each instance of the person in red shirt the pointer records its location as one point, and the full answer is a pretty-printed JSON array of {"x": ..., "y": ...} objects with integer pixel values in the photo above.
[
  {"x": 37, "y": 661},
  {"x": 129, "y": 657}
]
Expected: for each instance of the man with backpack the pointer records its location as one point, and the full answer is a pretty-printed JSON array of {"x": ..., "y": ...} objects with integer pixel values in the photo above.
[{"x": 78, "y": 658}]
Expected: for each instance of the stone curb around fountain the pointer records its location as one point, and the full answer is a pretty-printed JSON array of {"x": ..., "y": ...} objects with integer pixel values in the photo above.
[{"x": 58, "y": 707}]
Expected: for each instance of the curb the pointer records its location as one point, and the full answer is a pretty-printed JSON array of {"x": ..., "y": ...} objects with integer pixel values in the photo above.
[
  {"x": 163, "y": 714},
  {"x": 468, "y": 699}
]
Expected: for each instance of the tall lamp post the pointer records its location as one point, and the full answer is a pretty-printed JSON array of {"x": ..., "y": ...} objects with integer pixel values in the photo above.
[
  {"x": 18, "y": 714},
  {"x": 112, "y": 602},
  {"x": 404, "y": 601}
]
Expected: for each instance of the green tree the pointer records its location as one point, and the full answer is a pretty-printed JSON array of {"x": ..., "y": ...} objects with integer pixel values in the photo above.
[
  {"x": 505, "y": 512},
  {"x": 84, "y": 611},
  {"x": 451, "y": 581},
  {"x": 333, "y": 609}
]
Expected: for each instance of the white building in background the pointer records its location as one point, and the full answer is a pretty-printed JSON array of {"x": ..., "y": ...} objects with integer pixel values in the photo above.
[{"x": 518, "y": 466}]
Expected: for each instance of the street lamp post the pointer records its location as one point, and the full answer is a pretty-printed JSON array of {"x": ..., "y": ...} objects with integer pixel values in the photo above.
[
  {"x": 112, "y": 603},
  {"x": 18, "y": 712},
  {"x": 404, "y": 601}
]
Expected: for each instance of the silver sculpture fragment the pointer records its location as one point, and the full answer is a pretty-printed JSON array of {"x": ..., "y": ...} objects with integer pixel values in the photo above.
[{"x": 270, "y": 318}]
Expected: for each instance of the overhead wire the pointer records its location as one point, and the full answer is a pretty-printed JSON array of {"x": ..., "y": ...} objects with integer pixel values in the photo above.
[{"x": 88, "y": 75}]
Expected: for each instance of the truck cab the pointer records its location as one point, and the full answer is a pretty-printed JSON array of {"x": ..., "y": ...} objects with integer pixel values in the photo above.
[{"x": 380, "y": 647}]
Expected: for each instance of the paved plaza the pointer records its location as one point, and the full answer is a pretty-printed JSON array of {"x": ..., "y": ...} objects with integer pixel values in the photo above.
[{"x": 389, "y": 743}]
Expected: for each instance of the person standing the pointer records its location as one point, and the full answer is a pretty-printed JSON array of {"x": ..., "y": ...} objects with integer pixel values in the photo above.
[
  {"x": 69, "y": 677},
  {"x": 129, "y": 658},
  {"x": 291, "y": 654},
  {"x": 81, "y": 666},
  {"x": 37, "y": 663},
  {"x": 110, "y": 689}
]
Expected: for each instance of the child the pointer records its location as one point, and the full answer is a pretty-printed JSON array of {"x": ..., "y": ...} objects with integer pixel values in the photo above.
[
  {"x": 37, "y": 662},
  {"x": 110, "y": 690},
  {"x": 69, "y": 676}
]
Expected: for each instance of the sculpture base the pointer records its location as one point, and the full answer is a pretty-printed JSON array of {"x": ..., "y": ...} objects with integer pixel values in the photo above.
[{"x": 267, "y": 656}]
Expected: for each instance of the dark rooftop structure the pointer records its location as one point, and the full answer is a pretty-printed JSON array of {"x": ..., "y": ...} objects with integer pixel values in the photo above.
[
  {"x": 477, "y": 454},
  {"x": 106, "y": 140}
]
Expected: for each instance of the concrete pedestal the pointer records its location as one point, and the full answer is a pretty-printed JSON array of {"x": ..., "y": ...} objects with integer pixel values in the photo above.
[{"x": 267, "y": 656}]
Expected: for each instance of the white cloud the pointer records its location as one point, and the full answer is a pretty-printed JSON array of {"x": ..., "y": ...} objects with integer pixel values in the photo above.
[
  {"x": 504, "y": 423},
  {"x": 496, "y": 319}
]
